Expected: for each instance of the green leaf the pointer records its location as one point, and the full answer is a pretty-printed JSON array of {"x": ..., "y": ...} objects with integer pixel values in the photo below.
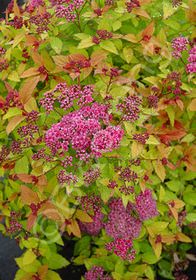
[
  {"x": 171, "y": 114},
  {"x": 174, "y": 185},
  {"x": 22, "y": 165},
  {"x": 188, "y": 138},
  {"x": 190, "y": 198},
  {"x": 30, "y": 243},
  {"x": 13, "y": 111},
  {"x": 116, "y": 25},
  {"x": 168, "y": 9},
  {"x": 191, "y": 217},
  {"x": 149, "y": 258},
  {"x": 56, "y": 44},
  {"x": 149, "y": 273},
  {"x": 109, "y": 46},
  {"x": 128, "y": 54},
  {"x": 28, "y": 258},
  {"x": 53, "y": 234},
  {"x": 189, "y": 176},
  {"x": 152, "y": 141},
  {"x": 56, "y": 261},
  {"x": 104, "y": 23},
  {"x": 52, "y": 275}
]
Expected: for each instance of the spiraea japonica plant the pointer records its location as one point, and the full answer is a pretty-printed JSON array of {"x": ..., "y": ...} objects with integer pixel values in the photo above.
[{"x": 97, "y": 136}]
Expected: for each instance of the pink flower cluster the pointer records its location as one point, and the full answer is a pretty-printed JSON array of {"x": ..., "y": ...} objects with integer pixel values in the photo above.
[
  {"x": 127, "y": 175},
  {"x": 106, "y": 140},
  {"x": 153, "y": 101},
  {"x": 129, "y": 108},
  {"x": 135, "y": 162},
  {"x": 91, "y": 175},
  {"x": 40, "y": 21},
  {"x": 68, "y": 10},
  {"x": 4, "y": 153},
  {"x": 27, "y": 132},
  {"x": 68, "y": 96},
  {"x": 82, "y": 129},
  {"x": 141, "y": 137},
  {"x": 3, "y": 65},
  {"x": 2, "y": 51},
  {"x": 94, "y": 227},
  {"x": 36, "y": 3},
  {"x": 67, "y": 178},
  {"x": 179, "y": 44},
  {"x": 191, "y": 67},
  {"x": 47, "y": 101},
  {"x": 176, "y": 3},
  {"x": 123, "y": 248},
  {"x": 32, "y": 117},
  {"x": 92, "y": 203},
  {"x": 16, "y": 147},
  {"x": 67, "y": 161},
  {"x": 15, "y": 226},
  {"x": 132, "y": 4},
  {"x": 145, "y": 206},
  {"x": 96, "y": 273},
  {"x": 121, "y": 224},
  {"x": 102, "y": 35}
]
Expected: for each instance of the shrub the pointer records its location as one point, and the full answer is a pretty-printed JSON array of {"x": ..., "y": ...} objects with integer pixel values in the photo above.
[{"x": 98, "y": 135}]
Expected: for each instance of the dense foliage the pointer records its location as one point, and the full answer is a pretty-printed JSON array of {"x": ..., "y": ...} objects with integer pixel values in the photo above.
[{"x": 97, "y": 136}]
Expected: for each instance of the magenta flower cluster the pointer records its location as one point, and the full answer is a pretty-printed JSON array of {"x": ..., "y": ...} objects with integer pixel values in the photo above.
[
  {"x": 67, "y": 9},
  {"x": 132, "y": 4},
  {"x": 191, "y": 67},
  {"x": 141, "y": 137},
  {"x": 102, "y": 35},
  {"x": 82, "y": 128},
  {"x": 92, "y": 203},
  {"x": 91, "y": 175},
  {"x": 123, "y": 248},
  {"x": 96, "y": 273},
  {"x": 67, "y": 178},
  {"x": 15, "y": 226},
  {"x": 153, "y": 101},
  {"x": 130, "y": 108},
  {"x": 179, "y": 44},
  {"x": 4, "y": 153},
  {"x": 145, "y": 206},
  {"x": 40, "y": 21}
]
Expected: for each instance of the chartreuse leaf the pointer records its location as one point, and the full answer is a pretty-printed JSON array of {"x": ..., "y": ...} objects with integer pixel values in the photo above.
[
  {"x": 190, "y": 198},
  {"x": 13, "y": 111},
  {"x": 22, "y": 165},
  {"x": 56, "y": 44},
  {"x": 109, "y": 46},
  {"x": 149, "y": 258},
  {"x": 56, "y": 261},
  {"x": 149, "y": 273},
  {"x": 52, "y": 275},
  {"x": 53, "y": 234}
]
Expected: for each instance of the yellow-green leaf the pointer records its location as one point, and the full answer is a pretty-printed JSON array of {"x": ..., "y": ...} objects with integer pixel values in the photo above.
[
  {"x": 109, "y": 46},
  {"x": 128, "y": 54},
  {"x": 136, "y": 149},
  {"x": 56, "y": 44}
]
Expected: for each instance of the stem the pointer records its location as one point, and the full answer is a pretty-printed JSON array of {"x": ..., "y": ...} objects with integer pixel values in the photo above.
[
  {"x": 58, "y": 112},
  {"x": 110, "y": 81}
]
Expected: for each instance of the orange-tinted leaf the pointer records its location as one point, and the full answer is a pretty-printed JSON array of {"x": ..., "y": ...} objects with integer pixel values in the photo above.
[
  {"x": 96, "y": 59},
  {"x": 158, "y": 250},
  {"x": 28, "y": 88},
  {"x": 142, "y": 184},
  {"x": 144, "y": 2},
  {"x": 131, "y": 38},
  {"x": 13, "y": 123},
  {"x": 31, "y": 221},
  {"x": 136, "y": 149},
  {"x": 25, "y": 178},
  {"x": 30, "y": 72},
  {"x": 13, "y": 196},
  {"x": 160, "y": 170},
  {"x": 74, "y": 228},
  {"x": 49, "y": 210},
  {"x": 42, "y": 271},
  {"x": 16, "y": 9},
  {"x": 37, "y": 58},
  {"x": 83, "y": 216},
  {"x": 42, "y": 180},
  {"x": 192, "y": 105},
  {"x": 148, "y": 31},
  {"x": 60, "y": 60},
  {"x": 174, "y": 213},
  {"x": 178, "y": 203},
  {"x": 167, "y": 239},
  {"x": 141, "y": 12},
  {"x": 183, "y": 238},
  {"x": 29, "y": 195}
]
